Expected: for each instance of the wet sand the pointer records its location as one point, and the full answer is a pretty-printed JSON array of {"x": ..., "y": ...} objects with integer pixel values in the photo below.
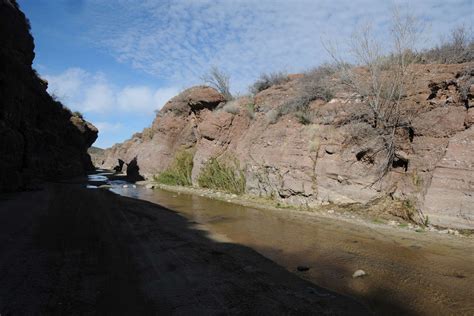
[
  {"x": 68, "y": 250},
  {"x": 409, "y": 272}
]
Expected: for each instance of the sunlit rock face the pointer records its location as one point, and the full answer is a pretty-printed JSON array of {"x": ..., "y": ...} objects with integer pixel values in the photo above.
[
  {"x": 39, "y": 138},
  {"x": 314, "y": 163}
]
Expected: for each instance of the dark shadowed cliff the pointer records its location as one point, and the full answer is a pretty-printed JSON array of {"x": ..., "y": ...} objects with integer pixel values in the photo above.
[{"x": 39, "y": 137}]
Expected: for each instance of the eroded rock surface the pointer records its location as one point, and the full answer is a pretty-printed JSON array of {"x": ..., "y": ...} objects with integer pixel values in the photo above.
[{"x": 314, "y": 163}]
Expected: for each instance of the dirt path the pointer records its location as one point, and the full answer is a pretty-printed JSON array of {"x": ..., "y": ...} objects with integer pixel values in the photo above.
[{"x": 68, "y": 250}]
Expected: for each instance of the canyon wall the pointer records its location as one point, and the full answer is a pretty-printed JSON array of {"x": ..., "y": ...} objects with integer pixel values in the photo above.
[
  {"x": 39, "y": 137},
  {"x": 314, "y": 162}
]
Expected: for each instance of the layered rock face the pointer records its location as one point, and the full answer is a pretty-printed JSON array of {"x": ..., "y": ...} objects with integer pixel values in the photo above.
[
  {"x": 39, "y": 138},
  {"x": 315, "y": 163}
]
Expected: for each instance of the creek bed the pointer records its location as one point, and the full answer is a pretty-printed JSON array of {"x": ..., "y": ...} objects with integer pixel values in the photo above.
[{"x": 409, "y": 272}]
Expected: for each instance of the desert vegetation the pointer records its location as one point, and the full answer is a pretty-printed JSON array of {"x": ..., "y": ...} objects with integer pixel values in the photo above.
[
  {"x": 458, "y": 47},
  {"x": 313, "y": 85},
  {"x": 179, "y": 173},
  {"x": 231, "y": 107},
  {"x": 267, "y": 80},
  {"x": 223, "y": 176},
  {"x": 219, "y": 80},
  {"x": 380, "y": 83}
]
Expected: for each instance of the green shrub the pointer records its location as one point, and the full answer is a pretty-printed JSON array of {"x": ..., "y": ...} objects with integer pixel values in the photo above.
[
  {"x": 222, "y": 176},
  {"x": 179, "y": 173}
]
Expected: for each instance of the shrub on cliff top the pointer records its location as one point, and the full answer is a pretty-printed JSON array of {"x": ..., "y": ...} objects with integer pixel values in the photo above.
[
  {"x": 78, "y": 114},
  {"x": 179, "y": 173},
  {"x": 457, "y": 48},
  {"x": 222, "y": 176},
  {"x": 219, "y": 80},
  {"x": 267, "y": 80}
]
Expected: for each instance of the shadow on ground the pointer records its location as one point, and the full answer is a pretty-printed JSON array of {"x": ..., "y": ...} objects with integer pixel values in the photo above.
[{"x": 70, "y": 250}]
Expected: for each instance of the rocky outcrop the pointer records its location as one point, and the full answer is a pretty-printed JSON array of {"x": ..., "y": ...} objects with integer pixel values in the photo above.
[
  {"x": 97, "y": 155},
  {"x": 193, "y": 100},
  {"x": 450, "y": 195},
  {"x": 39, "y": 137},
  {"x": 319, "y": 162}
]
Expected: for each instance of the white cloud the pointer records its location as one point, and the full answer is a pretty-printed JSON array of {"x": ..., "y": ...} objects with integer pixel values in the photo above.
[
  {"x": 99, "y": 97},
  {"x": 94, "y": 93},
  {"x": 144, "y": 99},
  {"x": 107, "y": 127},
  {"x": 180, "y": 40},
  {"x": 67, "y": 84}
]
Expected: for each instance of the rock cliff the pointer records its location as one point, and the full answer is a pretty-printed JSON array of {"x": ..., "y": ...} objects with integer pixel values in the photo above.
[
  {"x": 313, "y": 162},
  {"x": 39, "y": 137}
]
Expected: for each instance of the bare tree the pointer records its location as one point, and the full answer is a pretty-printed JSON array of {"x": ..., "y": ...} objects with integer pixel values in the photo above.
[
  {"x": 219, "y": 80},
  {"x": 380, "y": 81}
]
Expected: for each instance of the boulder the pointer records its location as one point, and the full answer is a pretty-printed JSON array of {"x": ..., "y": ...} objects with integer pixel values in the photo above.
[{"x": 194, "y": 99}]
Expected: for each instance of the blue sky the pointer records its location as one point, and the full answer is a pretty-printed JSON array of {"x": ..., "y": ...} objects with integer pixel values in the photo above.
[{"x": 117, "y": 61}]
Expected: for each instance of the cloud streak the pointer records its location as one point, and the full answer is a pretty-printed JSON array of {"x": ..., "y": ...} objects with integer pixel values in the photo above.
[{"x": 179, "y": 40}]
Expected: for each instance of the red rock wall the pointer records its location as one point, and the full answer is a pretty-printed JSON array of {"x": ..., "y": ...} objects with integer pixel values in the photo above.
[{"x": 312, "y": 164}]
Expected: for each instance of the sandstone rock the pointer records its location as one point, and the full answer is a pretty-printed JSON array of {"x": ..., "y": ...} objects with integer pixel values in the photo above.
[
  {"x": 449, "y": 200},
  {"x": 315, "y": 163},
  {"x": 469, "y": 118},
  {"x": 440, "y": 122},
  {"x": 133, "y": 171},
  {"x": 359, "y": 273},
  {"x": 194, "y": 99}
]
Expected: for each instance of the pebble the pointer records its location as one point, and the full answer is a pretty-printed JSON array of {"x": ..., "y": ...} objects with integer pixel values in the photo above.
[
  {"x": 330, "y": 211},
  {"x": 302, "y": 268},
  {"x": 359, "y": 273},
  {"x": 125, "y": 186}
]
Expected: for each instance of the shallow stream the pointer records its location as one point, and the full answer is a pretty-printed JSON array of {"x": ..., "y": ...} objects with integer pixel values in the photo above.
[{"x": 407, "y": 272}]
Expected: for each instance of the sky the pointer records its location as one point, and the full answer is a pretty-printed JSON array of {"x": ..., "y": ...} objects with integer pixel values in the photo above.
[{"x": 117, "y": 61}]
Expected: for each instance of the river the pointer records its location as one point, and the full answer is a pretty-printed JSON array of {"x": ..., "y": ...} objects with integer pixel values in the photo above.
[{"x": 408, "y": 272}]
